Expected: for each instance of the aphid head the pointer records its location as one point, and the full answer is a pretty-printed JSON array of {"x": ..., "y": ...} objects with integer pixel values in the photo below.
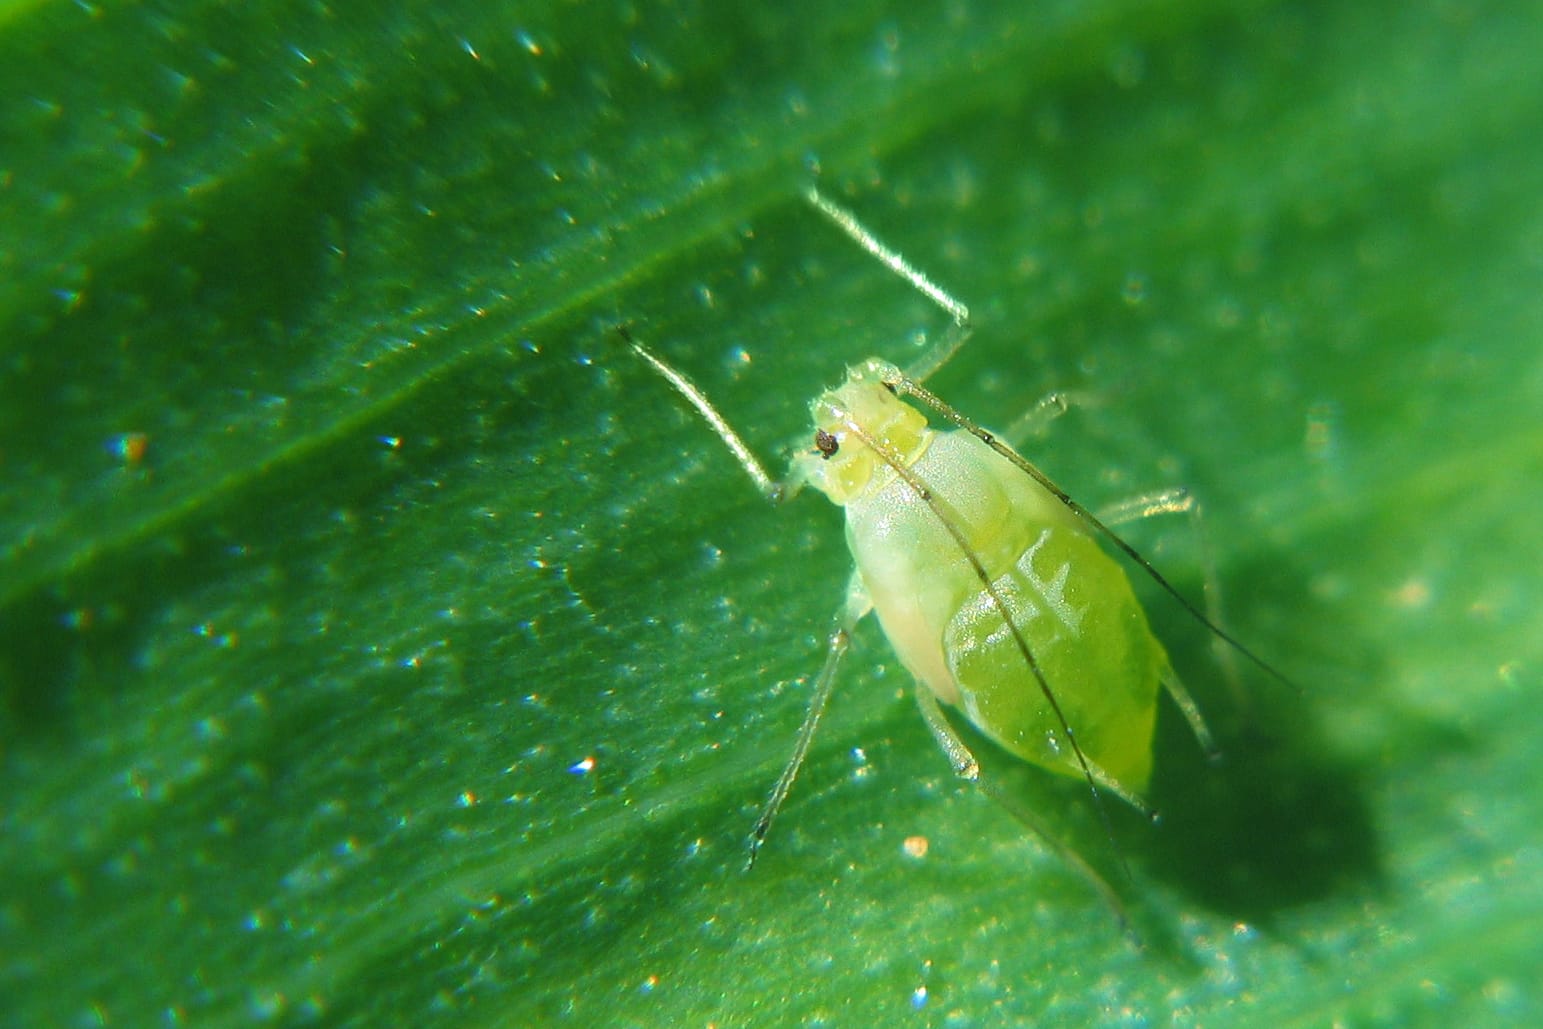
[{"x": 840, "y": 464}]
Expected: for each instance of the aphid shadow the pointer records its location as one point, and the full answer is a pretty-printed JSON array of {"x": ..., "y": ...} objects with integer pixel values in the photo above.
[
  {"x": 1275, "y": 823},
  {"x": 1277, "y": 820}
]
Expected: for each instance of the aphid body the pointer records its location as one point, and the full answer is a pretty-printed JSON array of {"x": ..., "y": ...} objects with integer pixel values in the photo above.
[
  {"x": 1071, "y": 602},
  {"x": 988, "y": 579}
]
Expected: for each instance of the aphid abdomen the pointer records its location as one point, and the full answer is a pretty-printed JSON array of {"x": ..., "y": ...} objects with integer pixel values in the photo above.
[{"x": 1088, "y": 633}]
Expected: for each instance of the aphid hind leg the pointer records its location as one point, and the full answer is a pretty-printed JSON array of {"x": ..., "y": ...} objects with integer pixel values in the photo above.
[
  {"x": 1178, "y": 500},
  {"x": 967, "y": 767}
]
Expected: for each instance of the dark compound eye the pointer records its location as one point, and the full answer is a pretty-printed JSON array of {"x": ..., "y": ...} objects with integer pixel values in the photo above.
[{"x": 826, "y": 444}]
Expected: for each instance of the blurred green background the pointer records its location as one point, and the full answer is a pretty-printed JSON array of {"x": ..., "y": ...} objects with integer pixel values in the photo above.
[{"x": 381, "y": 644}]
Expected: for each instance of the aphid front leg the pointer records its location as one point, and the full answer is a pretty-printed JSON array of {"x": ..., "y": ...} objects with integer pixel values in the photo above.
[
  {"x": 836, "y": 648},
  {"x": 853, "y": 607},
  {"x": 1036, "y": 419}
]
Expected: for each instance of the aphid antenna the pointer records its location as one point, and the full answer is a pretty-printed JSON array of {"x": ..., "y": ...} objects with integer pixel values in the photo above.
[
  {"x": 925, "y": 366},
  {"x": 772, "y": 489}
]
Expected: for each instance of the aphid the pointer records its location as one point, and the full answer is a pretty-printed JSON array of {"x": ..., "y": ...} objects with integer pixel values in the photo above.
[{"x": 986, "y": 577}]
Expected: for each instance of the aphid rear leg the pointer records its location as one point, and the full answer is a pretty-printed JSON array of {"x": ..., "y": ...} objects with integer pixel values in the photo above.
[
  {"x": 966, "y": 767},
  {"x": 1178, "y": 500}
]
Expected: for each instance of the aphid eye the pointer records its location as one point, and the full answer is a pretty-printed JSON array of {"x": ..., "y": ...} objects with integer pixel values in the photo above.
[{"x": 826, "y": 444}]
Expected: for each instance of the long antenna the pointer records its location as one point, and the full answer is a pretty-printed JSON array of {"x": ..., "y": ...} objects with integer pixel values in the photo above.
[
  {"x": 770, "y": 488},
  {"x": 892, "y": 260}
]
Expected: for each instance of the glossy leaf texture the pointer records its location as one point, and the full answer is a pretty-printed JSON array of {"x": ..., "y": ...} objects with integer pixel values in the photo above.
[{"x": 380, "y": 643}]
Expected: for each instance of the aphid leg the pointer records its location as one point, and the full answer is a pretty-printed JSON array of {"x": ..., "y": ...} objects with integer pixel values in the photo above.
[
  {"x": 855, "y": 605},
  {"x": 840, "y": 638},
  {"x": 958, "y": 333},
  {"x": 1179, "y": 500},
  {"x": 966, "y": 767},
  {"x": 1111, "y": 784},
  {"x": 904, "y": 386},
  {"x": 1037, "y": 419},
  {"x": 936, "y": 356},
  {"x": 1191, "y": 711},
  {"x": 853, "y": 608},
  {"x": 952, "y": 744}
]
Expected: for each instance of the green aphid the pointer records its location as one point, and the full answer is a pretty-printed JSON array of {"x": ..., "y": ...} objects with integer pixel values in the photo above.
[{"x": 989, "y": 581}]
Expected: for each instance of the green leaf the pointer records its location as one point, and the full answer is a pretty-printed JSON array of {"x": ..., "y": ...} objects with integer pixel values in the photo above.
[{"x": 381, "y": 643}]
